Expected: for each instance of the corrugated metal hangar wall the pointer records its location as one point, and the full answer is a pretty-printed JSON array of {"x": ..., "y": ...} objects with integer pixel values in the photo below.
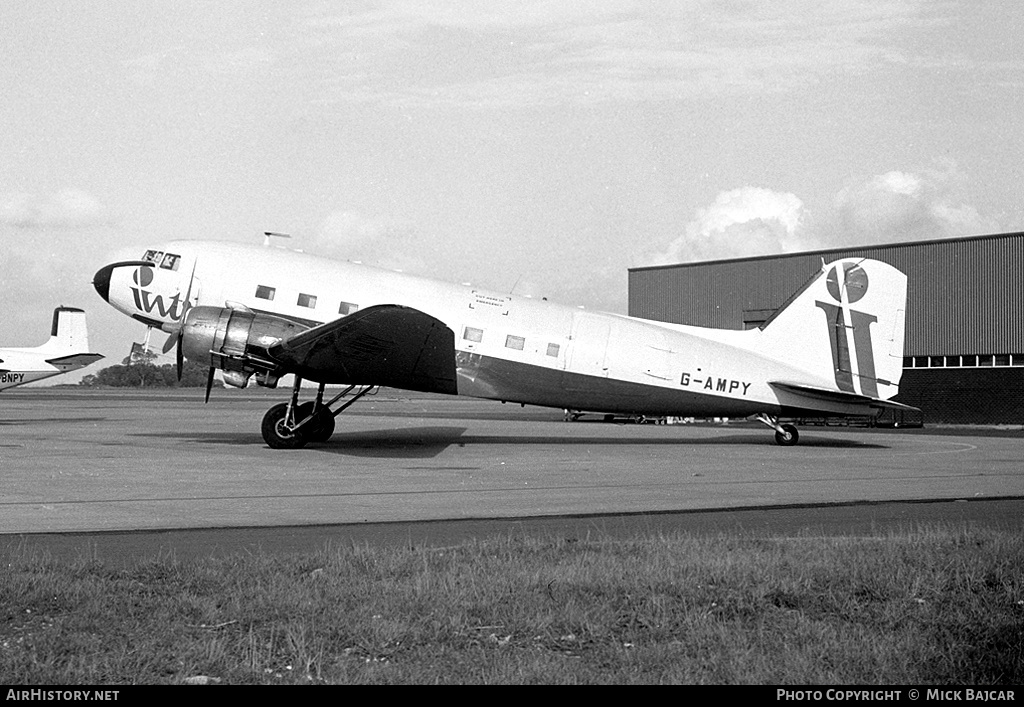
[{"x": 964, "y": 350}]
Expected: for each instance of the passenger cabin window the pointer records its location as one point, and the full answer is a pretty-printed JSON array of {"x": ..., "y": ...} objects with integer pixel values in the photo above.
[
  {"x": 347, "y": 308},
  {"x": 264, "y": 292},
  {"x": 307, "y": 301},
  {"x": 515, "y": 342},
  {"x": 473, "y": 334},
  {"x": 553, "y": 350}
]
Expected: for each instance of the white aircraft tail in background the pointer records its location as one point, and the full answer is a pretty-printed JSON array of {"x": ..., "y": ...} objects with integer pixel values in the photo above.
[{"x": 66, "y": 350}]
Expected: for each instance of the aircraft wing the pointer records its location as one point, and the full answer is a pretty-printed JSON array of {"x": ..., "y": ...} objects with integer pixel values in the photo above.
[
  {"x": 385, "y": 344},
  {"x": 813, "y": 397}
]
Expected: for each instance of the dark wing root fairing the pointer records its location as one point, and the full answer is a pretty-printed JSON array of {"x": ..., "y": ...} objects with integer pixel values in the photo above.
[{"x": 388, "y": 345}]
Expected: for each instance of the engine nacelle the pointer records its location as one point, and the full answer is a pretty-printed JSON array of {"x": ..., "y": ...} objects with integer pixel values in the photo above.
[{"x": 235, "y": 341}]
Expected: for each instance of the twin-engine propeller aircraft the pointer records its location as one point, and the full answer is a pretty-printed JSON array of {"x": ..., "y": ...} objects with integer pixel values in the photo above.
[
  {"x": 67, "y": 350},
  {"x": 835, "y": 349}
]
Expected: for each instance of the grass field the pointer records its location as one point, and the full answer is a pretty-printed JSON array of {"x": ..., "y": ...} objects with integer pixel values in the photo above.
[{"x": 937, "y": 605}]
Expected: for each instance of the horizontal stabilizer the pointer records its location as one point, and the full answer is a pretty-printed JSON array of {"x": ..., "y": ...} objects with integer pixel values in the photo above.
[
  {"x": 814, "y": 395},
  {"x": 80, "y": 360}
]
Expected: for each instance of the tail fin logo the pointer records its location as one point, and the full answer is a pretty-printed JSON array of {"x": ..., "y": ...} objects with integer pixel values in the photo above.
[
  {"x": 847, "y": 283},
  {"x": 146, "y": 301},
  {"x": 854, "y": 280}
]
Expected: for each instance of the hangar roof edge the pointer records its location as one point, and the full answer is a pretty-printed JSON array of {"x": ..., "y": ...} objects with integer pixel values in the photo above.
[{"x": 841, "y": 249}]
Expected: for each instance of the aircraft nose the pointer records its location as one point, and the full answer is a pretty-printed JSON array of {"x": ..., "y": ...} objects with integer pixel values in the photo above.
[{"x": 101, "y": 281}]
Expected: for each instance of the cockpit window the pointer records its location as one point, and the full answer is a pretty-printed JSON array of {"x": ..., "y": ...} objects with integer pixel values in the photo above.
[{"x": 167, "y": 261}]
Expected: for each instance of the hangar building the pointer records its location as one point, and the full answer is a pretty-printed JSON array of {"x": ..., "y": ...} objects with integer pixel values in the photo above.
[{"x": 964, "y": 347}]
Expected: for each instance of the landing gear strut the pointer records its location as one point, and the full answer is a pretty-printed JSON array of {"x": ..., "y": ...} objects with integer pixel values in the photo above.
[
  {"x": 786, "y": 434},
  {"x": 291, "y": 425}
]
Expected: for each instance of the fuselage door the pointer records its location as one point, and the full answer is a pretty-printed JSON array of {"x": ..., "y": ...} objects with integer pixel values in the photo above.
[
  {"x": 588, "y": 350},
  {"x": 658, "y": 357}
]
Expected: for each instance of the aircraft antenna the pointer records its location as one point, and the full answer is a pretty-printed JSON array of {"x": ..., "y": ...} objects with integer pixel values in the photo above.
[{"x": 267, "y": 235}]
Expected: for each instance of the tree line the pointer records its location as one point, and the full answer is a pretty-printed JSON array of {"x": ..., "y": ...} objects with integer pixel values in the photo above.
[{"x": 142, "y": 372}]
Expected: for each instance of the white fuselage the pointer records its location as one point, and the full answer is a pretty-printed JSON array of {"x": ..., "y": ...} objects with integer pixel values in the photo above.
[
  {"x": 19, "y": 368},
  {"x": 508, "y": 347}
]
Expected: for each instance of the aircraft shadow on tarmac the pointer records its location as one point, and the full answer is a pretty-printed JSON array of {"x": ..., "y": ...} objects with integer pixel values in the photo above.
[
  {"x": 51, "y": 421},
  {"x": 430, "y": 441}
]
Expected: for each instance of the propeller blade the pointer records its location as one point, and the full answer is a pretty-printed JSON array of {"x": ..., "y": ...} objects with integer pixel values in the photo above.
[
  {"x": 209, "y": 383},
  {"x": 171, "y": 341},
  {"x": 188, "y": 292},
  {"x": 180, "y": 334},
  {"x": 179, "y": 357}
]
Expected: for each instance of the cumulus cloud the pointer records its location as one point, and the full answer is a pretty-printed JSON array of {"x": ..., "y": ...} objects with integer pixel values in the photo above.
[
  {"x": 906, "y": 206},
  {"x": 742, "y": 222},
  {"x": 893, "y": 207},
  {"x": 69, "y": 208}
]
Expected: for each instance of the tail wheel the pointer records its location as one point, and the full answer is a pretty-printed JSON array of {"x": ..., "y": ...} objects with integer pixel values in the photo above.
[
  {"x": 318, "y": 430},
  {"x": 787, "y": 436},
  {"x": 276, "y": 433}
]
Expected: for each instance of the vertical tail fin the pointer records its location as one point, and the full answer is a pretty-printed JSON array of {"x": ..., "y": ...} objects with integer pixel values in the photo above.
[
  {"x": 845, "y": 328},
  {"x": 69, "y": 334}
]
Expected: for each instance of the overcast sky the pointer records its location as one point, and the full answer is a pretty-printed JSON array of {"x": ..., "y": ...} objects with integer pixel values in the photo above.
[{"x": 536, "y": 147}]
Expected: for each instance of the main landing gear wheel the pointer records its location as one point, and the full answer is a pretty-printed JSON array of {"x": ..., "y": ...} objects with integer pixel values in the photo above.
[
  {"x": 318, "y": 430},
  {"x": 276, "y": 431},
  {"x": 787, "y": 436},
  {"x": 309, "y": 421}
]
